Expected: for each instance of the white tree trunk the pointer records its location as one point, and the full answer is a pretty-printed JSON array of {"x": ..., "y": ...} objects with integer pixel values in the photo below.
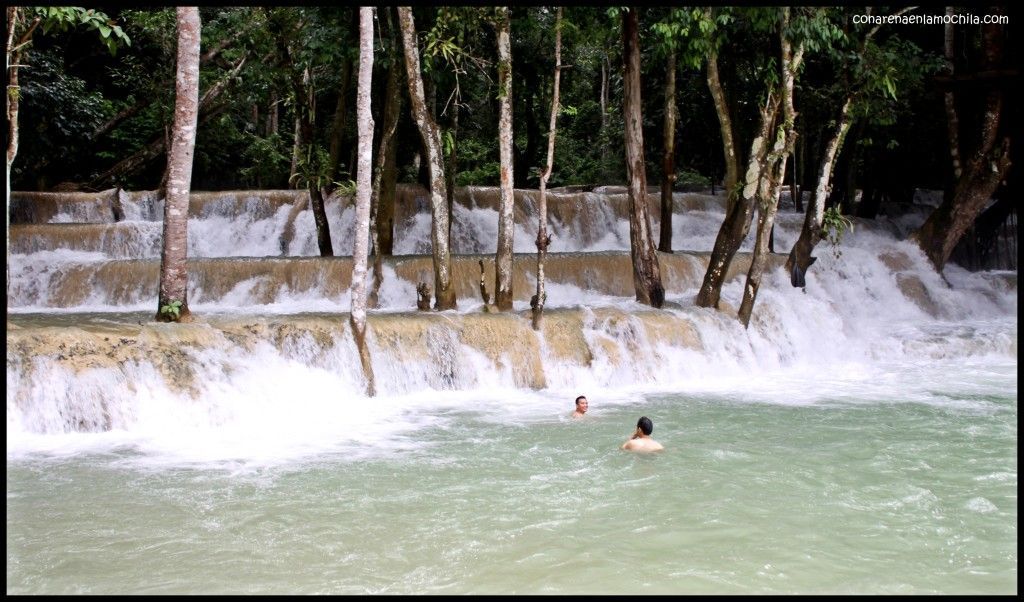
[
  {"x": 543, "y": 239},
  {"x": 444, "y": 290},
  {"x": 12, "y": 131},
  {"x": 364, "y": 178},
  {"x": 506, "y": 227},
  {"x": 174, "y": 258}
]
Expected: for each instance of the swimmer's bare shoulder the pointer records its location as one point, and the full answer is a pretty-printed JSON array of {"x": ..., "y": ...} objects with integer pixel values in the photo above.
[{"x": 643, "y": 445}]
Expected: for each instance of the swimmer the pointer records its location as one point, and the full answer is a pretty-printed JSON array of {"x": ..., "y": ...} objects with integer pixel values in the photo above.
[
  {"x": 641, "y": 440},
  {"x": 581, "y": 407}
]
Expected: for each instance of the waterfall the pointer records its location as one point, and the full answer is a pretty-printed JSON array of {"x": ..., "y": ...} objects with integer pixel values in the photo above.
[{"x": 272, "y": 356}]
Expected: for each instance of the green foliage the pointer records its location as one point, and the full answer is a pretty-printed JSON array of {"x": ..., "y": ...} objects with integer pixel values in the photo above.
[
  {"x": 454, "y": 37},
  {"x": 61, "y": 18},
  {"x": 690, "y": 178},
  {"x": 833, "y": 225},
  {"x": 478, "y": 160},
  {"x": 172, "y": 310},
  {"x": 312, "y": 170},
  {"x": 447, "y": 142},
  {"x": 267, "y": 160}
]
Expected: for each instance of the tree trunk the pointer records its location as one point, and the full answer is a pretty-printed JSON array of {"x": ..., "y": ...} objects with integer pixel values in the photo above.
[
  {"x": 382, "y": 202},
  {"x": 794, "y": 185},
  {"x": 739, "y": 213},
  {"x": 450, "y": 168},
  {"x": 768, "y": 196},
  {"x": 338, "y": 124},
  {"x": 506, "y": 225},
  {"x": 296, "y": 152},
  {"x": 543, "y": 240},
  {"x": 443, "y": 286},
  {"x": 174, "y": 258},
  {"x": 646, "y": 271},
  {"x": 305, "y": 111},
  {"x": 13, "y": 96},
  {"x": 729, "y": 139},
  {"x": 810, "y": 235},
  {"x": 949, "y": 101},
  {"x": 364, "y": 120},
  {"x": 981, "y": 176},
  {"x": 604, "y": 110},
  {"x": 668, "y": 162}
]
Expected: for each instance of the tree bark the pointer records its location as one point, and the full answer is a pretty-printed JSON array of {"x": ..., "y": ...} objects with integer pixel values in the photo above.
[
  {"x": 364, "y": 119},
  {"x": 13, "y": 98},
  {"x": 810, "y": 234},
  {"x": 506, "y": 225},
  {"x": 604, "y": 110},
  {"x": 739, "y": 213},
  {"x": 768, "y": 195},
  {"x": 296, "y": 152},
  {"x": 668, "y": 162},
  {"x": 729, "y": 138},
  {"x": 949, "y": 101},
  {"x": 444, "y": 289},
  {"x": 305, "y": 111},
  {"x": 646, "y": 270},
  {"x": 543, "y": 239},
  {"x": 174, "y": 256},
  {"x": 450, "y": 165}
]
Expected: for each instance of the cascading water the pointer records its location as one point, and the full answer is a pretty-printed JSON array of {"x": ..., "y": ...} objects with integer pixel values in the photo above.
[{"x": 878, "y": 404}]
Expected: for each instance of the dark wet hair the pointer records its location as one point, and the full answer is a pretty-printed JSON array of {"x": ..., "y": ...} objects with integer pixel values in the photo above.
[
  {"x": 645, "y": 425},
  {"x": 579, "y": 398}
]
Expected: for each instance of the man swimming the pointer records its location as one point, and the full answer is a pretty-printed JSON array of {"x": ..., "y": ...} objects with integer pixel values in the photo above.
[
  {"x": 641, "y": 440},
  {"x": 581, "y": 407}
]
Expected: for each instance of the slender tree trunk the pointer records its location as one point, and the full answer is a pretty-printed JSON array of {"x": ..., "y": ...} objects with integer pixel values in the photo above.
[
  {"x": 668, "y": 162},
  {"x": 952, "y": 121},
  {"x": 980, "y": 177},
  {"x": 794, "y": 184},
  {"x": 364, "y": 119},
  {"x": 506, "y": 225},
  {"x": 604, "y": 110},
  {"x": 739, "y": 213},
  {"x": 810, "y": 235},
  {"x": 729, "y": 138},
  {"x": 174, "y": 257},
  {"x": 543, "y": 239},
  {"x": 646, "y": 270},
  {"x": 768, "y": 196},
  {"x": 13, "y": 98},
  {"x": 443, "y": 286},
  {"x": 450, "y": 168},
  {"x": 382, "y": 203},
  {"x": 296, "y": 151},
  {"x": 338, "y": 124},
  {"x": 305, "y": 114}
]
